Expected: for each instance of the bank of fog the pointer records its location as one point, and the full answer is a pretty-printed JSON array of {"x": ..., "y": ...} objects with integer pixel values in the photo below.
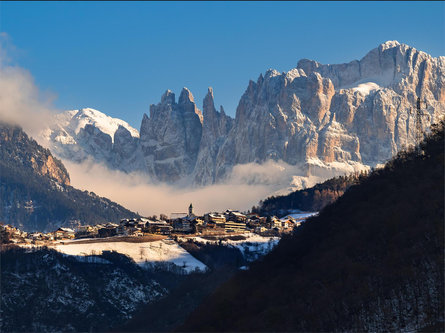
[{"x": 247, "y": 185}]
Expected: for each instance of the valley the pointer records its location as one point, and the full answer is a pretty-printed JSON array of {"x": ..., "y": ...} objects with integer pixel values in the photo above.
[{"x": 312, "y": 201}]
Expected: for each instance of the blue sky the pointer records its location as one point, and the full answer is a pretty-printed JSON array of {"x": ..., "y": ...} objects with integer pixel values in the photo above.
[{"x": 119, "y": 57}]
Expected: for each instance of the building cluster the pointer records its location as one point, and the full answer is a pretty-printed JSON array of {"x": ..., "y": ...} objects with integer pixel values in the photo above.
[
  {"x": 232, "y": 221},
  {"x": 126, "y": 227},
  {"x": 15, "y": 235},
  {"x": 228, "y": 222}
]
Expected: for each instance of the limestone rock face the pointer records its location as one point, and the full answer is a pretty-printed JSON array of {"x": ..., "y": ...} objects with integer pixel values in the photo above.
[
  {"x": 359, "y": 112},
  {"x": 216, "y": 127},
  {"x": 170, "y": 138},
  {"x": 124, "y": 147},
  {"x": 97, "y": 142},
  {"x": 316, "y": 117}
]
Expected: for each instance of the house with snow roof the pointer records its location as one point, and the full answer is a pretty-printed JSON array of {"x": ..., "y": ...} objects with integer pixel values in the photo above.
[{"x": 64, "y": 233}]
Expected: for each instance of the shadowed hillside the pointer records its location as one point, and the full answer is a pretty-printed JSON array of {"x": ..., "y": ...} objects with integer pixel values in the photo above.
[
  {"x": 46, "y": 291},
  {"x": 311, "y": 199},
  {"x": 372, "y": 261},
  {"x": 34, "y": 188}
]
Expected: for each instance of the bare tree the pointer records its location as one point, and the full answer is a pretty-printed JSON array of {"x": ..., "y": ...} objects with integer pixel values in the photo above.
[{"x": 142, "y": 252}]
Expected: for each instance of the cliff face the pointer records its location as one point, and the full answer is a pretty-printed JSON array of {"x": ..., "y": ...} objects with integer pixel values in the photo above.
[
  {"x": 324, "y": 119},
  {"x": 171, "y": 136},
  {"x": 356, "y": 113},
  {"x": 24, "y": 153},
  {"x": 216, "y": 127}
]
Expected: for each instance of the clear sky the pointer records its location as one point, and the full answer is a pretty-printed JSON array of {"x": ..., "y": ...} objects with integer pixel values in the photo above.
[{"x": 119, "y": 57}]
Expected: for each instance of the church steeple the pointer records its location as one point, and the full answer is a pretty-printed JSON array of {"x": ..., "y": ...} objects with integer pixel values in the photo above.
[{"x": 190, "y": 210}]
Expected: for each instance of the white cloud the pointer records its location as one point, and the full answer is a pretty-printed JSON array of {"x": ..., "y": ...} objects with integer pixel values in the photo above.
[
  {"x": 136, "y": 193},
  {"x": 21, "y": 103},
  {"x": 246, "y": 186}
]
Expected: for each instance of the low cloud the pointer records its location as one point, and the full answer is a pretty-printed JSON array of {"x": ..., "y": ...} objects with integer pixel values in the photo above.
[
  {"x": 270, "y": 173},
  {"x": 136, "y": 193}
]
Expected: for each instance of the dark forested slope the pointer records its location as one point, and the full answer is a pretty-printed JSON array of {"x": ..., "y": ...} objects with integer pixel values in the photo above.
[
  {"x": 311, "y": 199},
  {"x": 34, "y": 188},
  {"x": 372, "y": 261},
  {"x": 46, "y": 291}
]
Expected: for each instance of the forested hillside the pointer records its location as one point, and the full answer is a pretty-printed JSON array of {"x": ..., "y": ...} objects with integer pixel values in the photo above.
[
  {"x": 372, "y": 261},
  {"x": 311, "y": 199},
  {"x": 46, "y": 291},
  {"x": 35, "y": 194}
]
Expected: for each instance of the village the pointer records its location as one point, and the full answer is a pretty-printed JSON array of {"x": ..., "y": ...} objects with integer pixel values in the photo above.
[{"x": 223, "y": 224}]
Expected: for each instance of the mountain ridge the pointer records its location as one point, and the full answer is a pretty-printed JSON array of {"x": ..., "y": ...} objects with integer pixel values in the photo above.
[
  {"x": 324, "y": 119},
  {"x": 35, "y": 190}
]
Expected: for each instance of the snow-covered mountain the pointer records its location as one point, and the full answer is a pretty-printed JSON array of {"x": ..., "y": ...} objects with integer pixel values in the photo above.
[
  {"x": 87, "y": 133},
  {"x": 74, "y": 121},
  {"x": 316, "y": 120}
]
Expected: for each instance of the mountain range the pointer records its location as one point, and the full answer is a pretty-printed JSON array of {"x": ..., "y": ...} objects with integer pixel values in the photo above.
[{"x": 321, "y": 120}]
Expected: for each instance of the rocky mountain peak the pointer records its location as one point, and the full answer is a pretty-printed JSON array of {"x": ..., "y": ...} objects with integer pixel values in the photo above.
[
  {"x": 260, "y": 79},
  {"x": 208, "y": 106},
  {"x": 210, "y": 92},
  {"x": 170, "y": 138},
  {"x": 215, "y": 128},
  {"x": 389, "y": 44},
  {"x": 271, "y": 73},
  {"x": 186, "y": 97},
  {"x": 308, "y": 66},
  {"x": 168, "y": 97}
]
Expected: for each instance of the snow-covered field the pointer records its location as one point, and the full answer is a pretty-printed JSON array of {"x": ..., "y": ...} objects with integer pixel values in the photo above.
[
  {"x": 163, "y": 251},
  {"x": 300, "y": 215},
  {"x": 253, "y": 247}
]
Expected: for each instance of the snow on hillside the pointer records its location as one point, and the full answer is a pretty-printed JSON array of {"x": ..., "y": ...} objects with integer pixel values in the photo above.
[
  {"x": 252, "y": 247},
  {"x": 142, "y": 253},
  {"x": 255, "y": 246},
  {"x": 366, "y": 88},
  {"x": 300, "y": 215}
]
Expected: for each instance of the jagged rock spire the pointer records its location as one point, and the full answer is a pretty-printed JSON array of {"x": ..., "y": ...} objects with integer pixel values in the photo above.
[
  {"x": 186, "y": 97},
  {"x": 208, "y": 102},
  {"x": 168, "y": 97}
]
